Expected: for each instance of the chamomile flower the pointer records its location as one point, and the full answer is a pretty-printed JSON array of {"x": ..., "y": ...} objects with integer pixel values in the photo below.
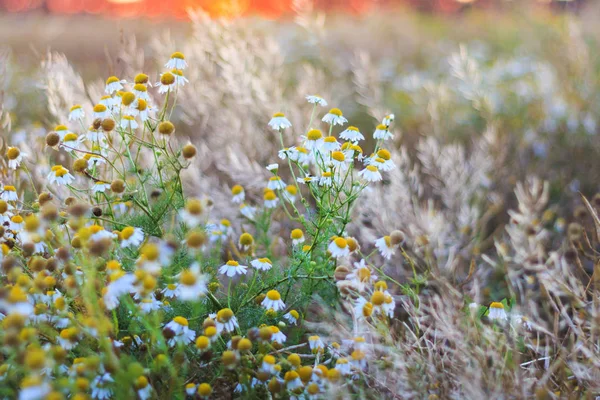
[
  {"x": 181, "y": 333},
  {"x": 177, "y": 61},
  {"x": 131, "y": 237},
  {"x": 383, "y": 160},
  {"x": 248, "y": 211},
  {"x": 343, "y": 366},
  {"x": 313, "y": 140},
  {"x": 76, "y": 113},
  {"x": 225, "y": 321},
  {"x": 297, "y": 237},
  {"x": 330, "y": 143},
  {"x": 370, "y": 174},
  {"x": 334, "y": 117},
  {"x": 166, "y": 82},
  {"x": 497, "y": 312},
  {"x": 129, "y": 122},
  {"x": 71, "y": 141},
  {"x": 101, "y": 387},
  {"x": 388, "y": 119},
  {"x": 68, "y": 338},
  {"x": 276, "y": 183},
  {"x": 233, "y": 268},
  {"x": 238, "y": 194},
  {"x": 171, "y": 291},
  {"x": 361, "y": 276},
  {"x": 110, "y": 102},
  {"x": 385, "y": 247},
  {"x": 273, "y": 301},
  {"x": 34, "y": 388},
  {"x": 61, "y": 130},
  {"x": 338, "y": 160},
  {"x": 389, "y": 304},
  {"x": 312, "y": 99},
  {"x": 60, "y": 175},
  {"x": 192, "y": 283},
  {"x": 180, "y": 79},
  {"x": 100, "y": 187},
  {"x": 143, "y": 388},
  {"x": 292, "y": 380},
  {"x": 101, "y": 111},
  {"x": 268, "y": 365},
  {"x": 9, "y": 193},
  {"x": 113, "y": 84},
  {"x": 382, "y": 132},
  {"x": 262, "y": 264},
  {"x": 15, "y": 157},
  {"x": 16, "y": 223},
  {"x": 358, "y": 360},
  {"x": 141, "y": 91},
  {"x": 292, "y": 317},
  {"x": 352, "y": 134},
  {"x": 326, "y": 178},
  {"x": 270, "y": 199},
  {"x": 316, "y": 344},
  {"x": 279, "y": 122},
  {"x": 192, "y": 215},
  {"x": 120, "y": 284},
  {"x": 276, "y": 335},
  {"x": 339, "y": 247}
]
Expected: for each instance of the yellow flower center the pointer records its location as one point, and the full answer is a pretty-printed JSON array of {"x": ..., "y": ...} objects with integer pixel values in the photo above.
[
  {"x": 178, "y": 55},
  {"x": 338, "y": 156},
  {"x": 372, "y": 168},
  {"x": 497, "y": 304},
  {"x": 13, "y": 153},
  {"x": 140, "y": 87},
  {"x": 278, "y": 115},
  {"x": 270, "y": 195},
  {"x": 329, "y": 139},
  {"x": 127, "y": 232},
  {"x": 341, "y": 243},
  {"x": 181, "y": 321},
  {"x": 273, "y": 295},
  {"x": 232, "y": 263},
  {"x": 377, "y": 298},
  {"x": 297, "y": 234},
  {"x": 188, "y": 278},
  {"x": 224, "y": 315},
  {"x": 383, "y": 153},
  {"x": 127, "y": 98},
  {"x": 381, "y": 127},
  {"x": 167, "y": 78},
  {"x": 99, "y": 108},
  {"x": 336, "y": 111},
  {"x": 314, "y": 134}
]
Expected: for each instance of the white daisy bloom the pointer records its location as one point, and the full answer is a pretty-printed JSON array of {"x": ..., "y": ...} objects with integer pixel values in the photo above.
[
  {"x": 338, "y": 160},
  {"x": 190, "y": 389},
  {"x": 273, "y": 167},
  {"x": 339, "y": 248},
  {"x": 352, "y": 134},
  {"x": 113, "y": 84},
  {"x": 270, "y": 199},
  {"x": 384, "y": 245},
  {"x": 297, "y": 237},
  {"x": 100, "y": 187},
  {"x": 277, "y": 335},
  {"x": 292, "y": 317},
  {"x": 315, "y": 343},
  {"x": 248, "y": 211},
  {"x": 233, "y": 268},
  {"x": 334, "y": 117},
  {"x": 180, "y": 79},
  {"x": 141, "y": 91},
  {"x": 262, "y": 264},
  {"x": 312, "y": 99},
  {"x": 279, "y": 122},
  {"x": 268, "y": 365},
  {"x": 120, "y": 284},
  {"x": 129, "y": 122},
  {"x": 131, "y": 237},
  {"x": 15, "y": 157},
  {"x": 176, "y": 61},
  {"x": 192, "y": 283},
  {"x": 171, "y": 291},
  {"x": 71, "y": 141},
  {"x": 76, "y": 113},
  {"x": 307, "y": 179},
  {"x": 326, "y": 179},
  {"x": 273, "y": 301},
  {"x": 62, "y": 131},
  {"x": 343, "y": 366},
  {"x": 101, "y": 389},
  {"x": 149, "y": 305},
  {"x": 9, "y": 193},
  {"x": 497, "y": 312},
  {"x": 101, "y": 111},
  {"x": 330, "y": 143},
  {"x": 292, "y": 380},
  {"x": 388, "y": 119},
  {"x": 313, "y": 140},
  {"x": 182, "y": 333},
  {"x": 382, "y": 132},
  {"x": 370, "y": 174},
  {"x": 389, "y": 304},
  {"x": 110, "y": 102},
  {"x": 276, "y": 183},
  {"x": 34, "y": 388},
  {"x": 225, "y": 321},
  {"x": 381, "y": 163},
  {"x": 60, "y": 175}
]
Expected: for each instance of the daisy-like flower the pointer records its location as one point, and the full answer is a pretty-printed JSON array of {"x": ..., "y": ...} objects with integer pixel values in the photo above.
[
  {"x": 338, "y": 160},
  {"x": 190, "y": 389},
  {"x": 389, "y": 304},
  {"x": 352, "y": 134},
  {"x": 297, "y": 237},
  {"x": 177, "y": 61},
  {"x": 129, "y": 122},
  {"x": 226, "y": 321},
  {"x": 388, "y": 119},
  {"x": 9, "y": 193},
  {"x": 60, "y": 175},
  {"x": 268, "y": 365},
  {"x": 166, "y": 82},
  {"x": 120, "y": 284},
  {"x": 313, "y": 140},
  {"x": 248, "y": 211},
  {"x": 192, "y": 283},
  {"x": 143, "y": 388},
  {"x": 76, "y": 113},
  {"x": 180, "y": 79},
  {"x": 339, "y": 247},
  {"x": 262, "y": 264},
  {"x": 277, "y": 335},
  {"x": 140, "y": 107},
  {"x": 382, "y": 160},
  {"x": 181, "y": 333},
  {"x": 279, "y": 122},
  {"x": 171, "y": 291},
  {"x": 113, "y": 84},
  {"x": 141, "y": 91},
  {"x": 34, "y": 388},
  {"x": 99, "y": 233},
  {"x": 307, "y": 179},
  {"x": 497, "y": 312},
  {"x": 326, "y": 178},
  {"x": 273, "y": 301},
  {"x": 292, "y": 317},
  {"x": 316, "y": 344},
  {"x": 192, "y": 214},
  {"x": 330, "y": 143},
  {"x": 312, "y": 99},
  {"x": 385, "y": 247},
  {"x": 150, "y": 304},
  {"x": 292, "y": 380},
  {"x": 273, "y": 167},
  {"x": 233, "y": 268},
  {"x": 343, "y": 366},
  {"x": 68, "y": 338},
  {"x": 101, "y": 111},
  {"x": 238, "y": 194},
  {"x": 276, "y": 183},
  {"x": 15, "y": 157},
  {"x": 270, "y": 199},
  {"x": 61, "y": 130},
  {"x": 361, "y": 276},
  {"x": 100, "y": 187},
  {"x": 334, "y": 117},
  {"x": 382, "y": 132},
  {"x": 71, "y": 141},
  {"x": 131, "y": 237},
  {"x": 16, "y": 223},
  {"x": 101, "y": 386},
  {"x": 95, "y": 135},
  {"x": 358, "y": 359},
  {"x": 110, "y": 102},
  {"x": 370, "y": 174}
]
